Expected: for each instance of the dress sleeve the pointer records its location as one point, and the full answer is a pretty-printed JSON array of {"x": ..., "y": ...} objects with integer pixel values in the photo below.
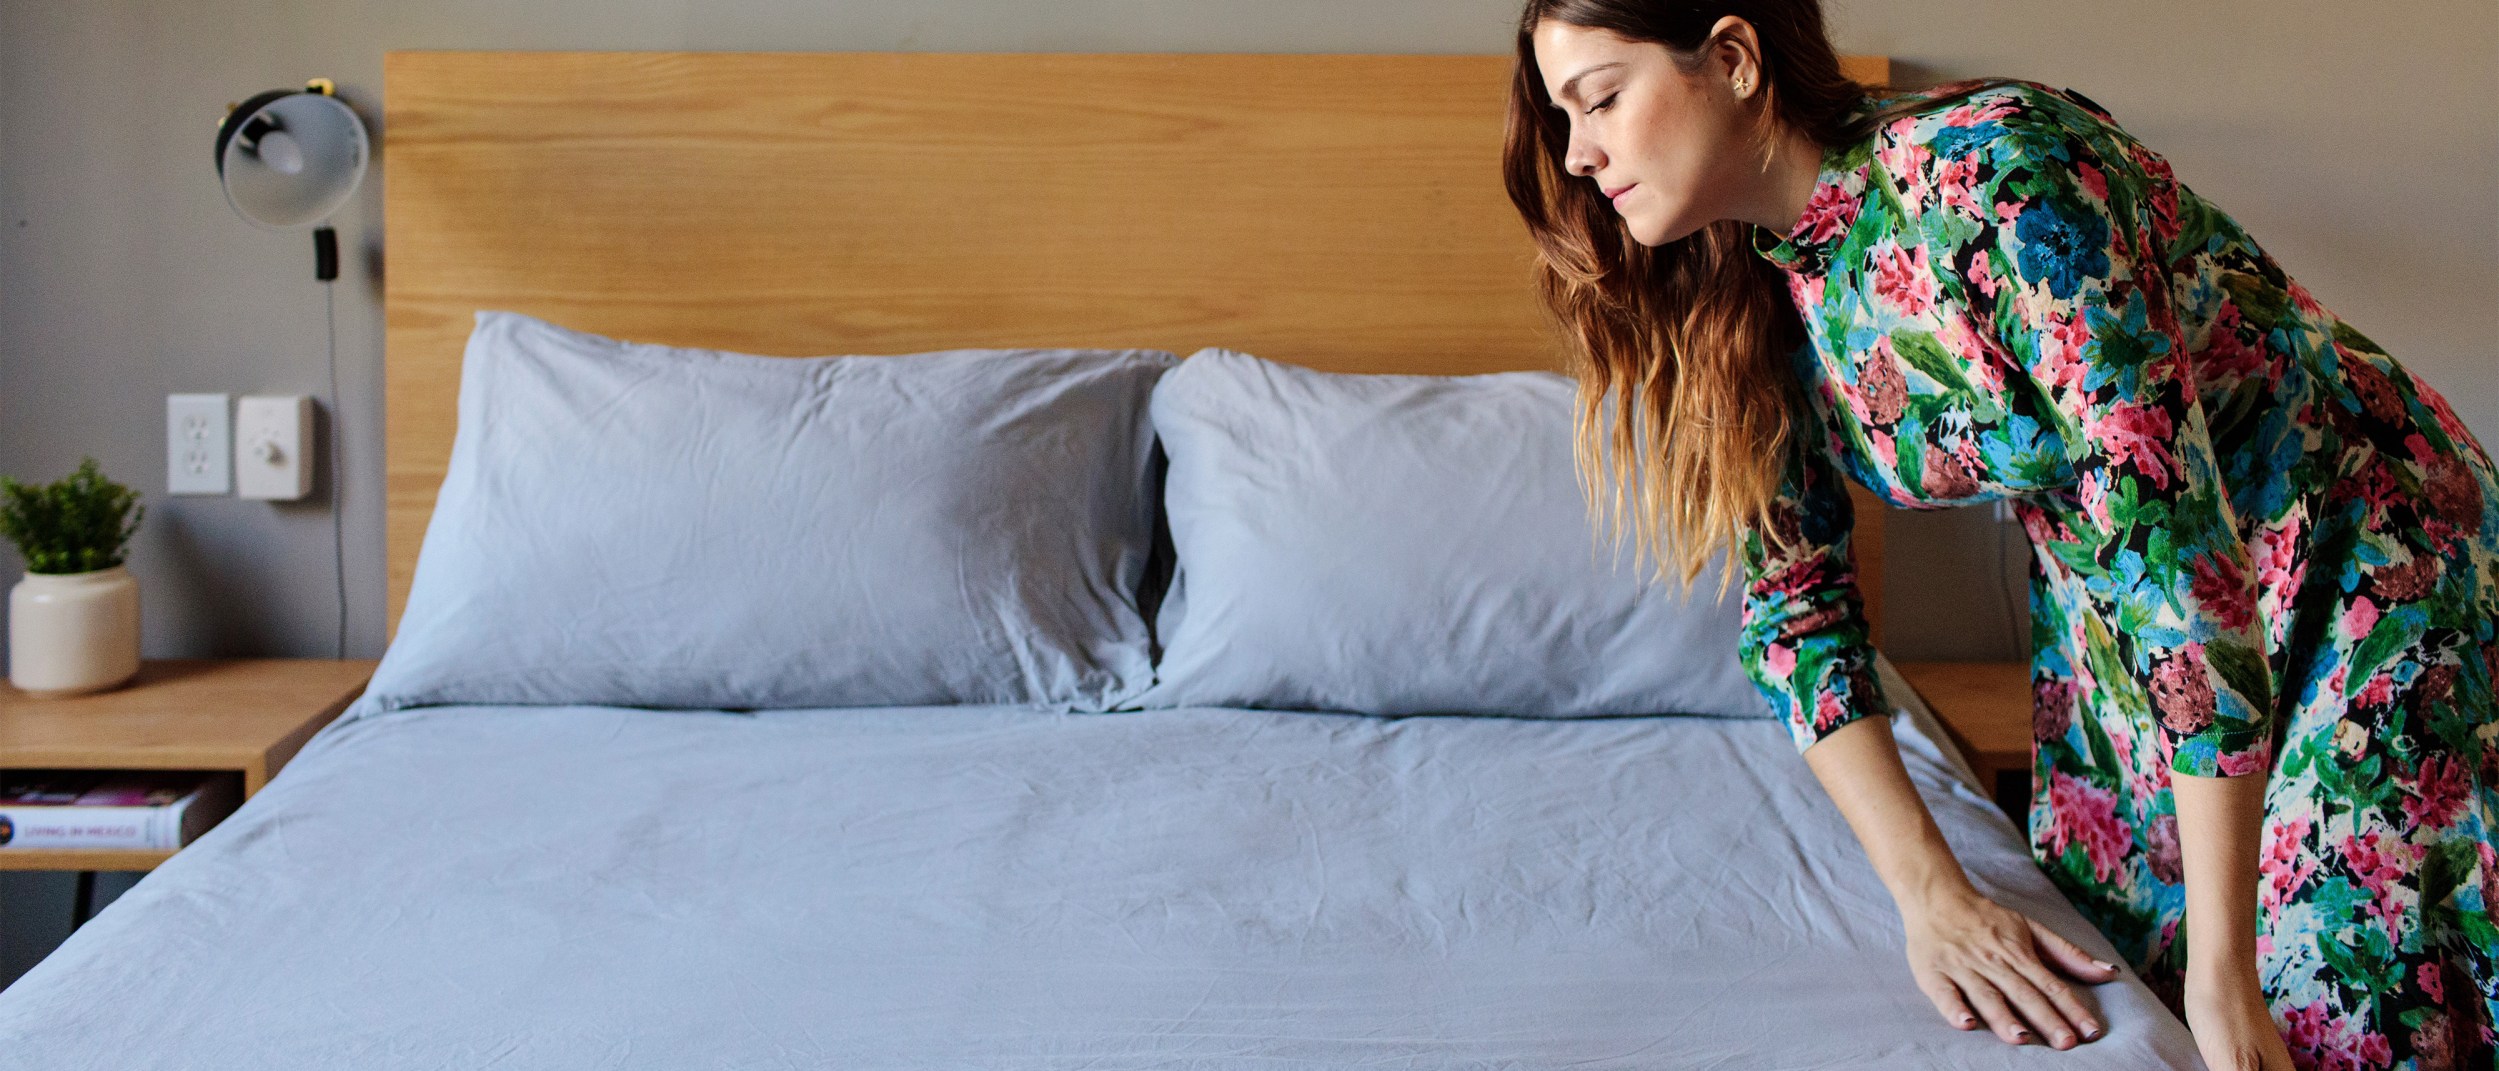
[
  {"x": 1805, "y": 642},
  {"x": 2068, "y": 255}
]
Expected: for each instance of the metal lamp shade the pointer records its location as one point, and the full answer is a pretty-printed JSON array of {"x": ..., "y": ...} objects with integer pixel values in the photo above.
[{"x": 289, "y": 158}]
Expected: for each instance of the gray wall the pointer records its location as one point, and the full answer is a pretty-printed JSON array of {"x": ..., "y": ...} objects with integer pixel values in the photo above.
[{"x": 2359, "y": 143}]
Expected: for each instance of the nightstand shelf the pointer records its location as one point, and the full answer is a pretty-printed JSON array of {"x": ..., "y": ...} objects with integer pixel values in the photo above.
[
  {"x": 1986, "y": 706},
  {"x": 246, "y": 717},
  {"x": 83, "y": 859}
]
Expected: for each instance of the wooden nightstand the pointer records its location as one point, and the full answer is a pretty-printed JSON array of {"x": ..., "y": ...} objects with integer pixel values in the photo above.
[
  {"x": 246, "y": 717},
  {"x": 1986, "y": 706}
]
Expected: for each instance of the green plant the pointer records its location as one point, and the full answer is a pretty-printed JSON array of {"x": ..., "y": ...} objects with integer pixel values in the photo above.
[{"x": 77, "y": 525}]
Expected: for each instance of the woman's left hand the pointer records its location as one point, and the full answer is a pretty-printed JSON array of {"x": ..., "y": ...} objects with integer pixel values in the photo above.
[{"x": 2233, "y": 1030}]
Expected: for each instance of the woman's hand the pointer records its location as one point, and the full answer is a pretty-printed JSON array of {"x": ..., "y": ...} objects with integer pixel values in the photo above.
[
  {"x": 1967, "y": 951},
  {"x": 2232, "y": 1029},
  {"x": 1977, "y": 959}
]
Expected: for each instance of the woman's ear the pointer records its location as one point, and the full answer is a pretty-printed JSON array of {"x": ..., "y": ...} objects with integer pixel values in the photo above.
[{"x": 1732, "y": 55}]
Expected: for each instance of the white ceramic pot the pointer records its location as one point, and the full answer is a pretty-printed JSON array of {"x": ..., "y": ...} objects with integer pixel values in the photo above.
[{"x": 71, "y": 633}]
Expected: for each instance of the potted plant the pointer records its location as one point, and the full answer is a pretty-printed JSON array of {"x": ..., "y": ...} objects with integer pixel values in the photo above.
[{"x": 74, "y": 619}]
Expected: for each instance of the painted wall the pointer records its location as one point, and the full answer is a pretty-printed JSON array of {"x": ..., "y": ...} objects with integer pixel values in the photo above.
[{"x": 2360, "y": 144}]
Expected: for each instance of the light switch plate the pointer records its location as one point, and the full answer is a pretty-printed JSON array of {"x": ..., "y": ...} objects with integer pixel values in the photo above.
[
  {"x": 199, "y": 445},
  {"x": 272, "y": 441}
]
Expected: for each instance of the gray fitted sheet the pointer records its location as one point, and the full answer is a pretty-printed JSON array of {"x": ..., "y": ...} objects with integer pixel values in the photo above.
[{"x": 964, "y": 887}]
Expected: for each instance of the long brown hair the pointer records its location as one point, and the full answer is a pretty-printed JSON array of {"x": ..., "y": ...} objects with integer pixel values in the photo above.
[{"x": 1683, "y": 346}]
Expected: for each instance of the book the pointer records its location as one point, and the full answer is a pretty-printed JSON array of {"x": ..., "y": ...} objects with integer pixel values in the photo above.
[{"x": 144, "y": 811}]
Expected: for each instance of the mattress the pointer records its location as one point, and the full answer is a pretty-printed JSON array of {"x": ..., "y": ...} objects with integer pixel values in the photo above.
[{"x": 968, "y": 887}]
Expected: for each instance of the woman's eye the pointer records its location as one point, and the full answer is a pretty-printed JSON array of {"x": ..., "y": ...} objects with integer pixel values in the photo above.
[{"x": 1603, "y": 104}]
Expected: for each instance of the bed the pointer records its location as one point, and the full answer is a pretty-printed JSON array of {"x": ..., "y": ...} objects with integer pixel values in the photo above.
[{"x": 1002, "y": 885}]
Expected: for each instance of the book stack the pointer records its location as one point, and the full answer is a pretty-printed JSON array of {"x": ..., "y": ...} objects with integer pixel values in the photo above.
[{"x": 149, "y": 811}]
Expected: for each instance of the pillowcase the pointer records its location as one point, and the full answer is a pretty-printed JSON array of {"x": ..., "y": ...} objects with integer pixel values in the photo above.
[
  {"x": 640, "y": 525},
  {"x": 1393, "y": 544}
]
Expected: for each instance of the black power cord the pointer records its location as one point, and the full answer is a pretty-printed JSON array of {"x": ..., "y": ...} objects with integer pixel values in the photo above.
[
  {"x": 2004, "y": 587},
  {"x": 338, "y": 470}
]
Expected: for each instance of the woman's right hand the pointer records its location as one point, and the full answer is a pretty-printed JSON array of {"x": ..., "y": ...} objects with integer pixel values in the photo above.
[{"x": 1978, "y": 960}]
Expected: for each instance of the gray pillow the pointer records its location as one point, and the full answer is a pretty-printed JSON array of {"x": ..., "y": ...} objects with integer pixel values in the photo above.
[
  {"x": 1411, "y": 544},
  {"x": 640, "y": 525}
]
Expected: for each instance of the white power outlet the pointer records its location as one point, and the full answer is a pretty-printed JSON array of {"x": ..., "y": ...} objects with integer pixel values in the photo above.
[
  {"x": 273, "y": 434},
  {"x": 199, "y": 445}
]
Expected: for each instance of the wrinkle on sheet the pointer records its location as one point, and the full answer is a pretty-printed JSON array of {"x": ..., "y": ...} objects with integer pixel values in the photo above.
[{"x": 1005, "y": 888}]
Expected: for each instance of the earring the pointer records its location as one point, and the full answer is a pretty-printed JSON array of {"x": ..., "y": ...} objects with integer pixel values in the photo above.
[{"x": 1741, "y": 86}]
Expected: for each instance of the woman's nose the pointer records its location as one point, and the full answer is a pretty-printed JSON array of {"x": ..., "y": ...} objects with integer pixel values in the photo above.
[{"x": 1582, "y": 159}]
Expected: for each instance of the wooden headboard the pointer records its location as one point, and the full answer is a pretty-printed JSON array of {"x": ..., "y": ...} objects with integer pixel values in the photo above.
[{"x": 1343, "y": 212}]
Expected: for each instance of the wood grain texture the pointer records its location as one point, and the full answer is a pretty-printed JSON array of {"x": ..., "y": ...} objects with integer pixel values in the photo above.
[
  {"x": 100, "y": 859},
  {"x": 248, "y": 716},
  {"x": 1343, "y": 212},
  {"x": 1987, "y": 705}
]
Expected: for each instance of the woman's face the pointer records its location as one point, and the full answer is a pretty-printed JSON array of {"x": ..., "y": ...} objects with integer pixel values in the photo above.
[{"x": 1665, "y": 144}]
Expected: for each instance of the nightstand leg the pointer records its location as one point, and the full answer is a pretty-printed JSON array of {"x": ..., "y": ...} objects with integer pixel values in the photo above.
[{"x": 82, "y": 906}]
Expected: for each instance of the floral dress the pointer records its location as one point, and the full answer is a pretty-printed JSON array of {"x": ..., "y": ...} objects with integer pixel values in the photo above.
[{"x": 2261, "y": 546}]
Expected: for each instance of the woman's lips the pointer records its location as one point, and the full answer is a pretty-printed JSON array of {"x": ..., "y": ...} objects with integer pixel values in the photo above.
[{"x": 1618, "y": 197}]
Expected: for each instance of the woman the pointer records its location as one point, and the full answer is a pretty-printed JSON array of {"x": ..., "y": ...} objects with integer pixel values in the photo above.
[{"x": 2267, "y": 569}]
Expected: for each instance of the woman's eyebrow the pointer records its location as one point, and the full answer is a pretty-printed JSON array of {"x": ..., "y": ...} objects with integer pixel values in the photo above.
[{"x": 1570, "y": 89}]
